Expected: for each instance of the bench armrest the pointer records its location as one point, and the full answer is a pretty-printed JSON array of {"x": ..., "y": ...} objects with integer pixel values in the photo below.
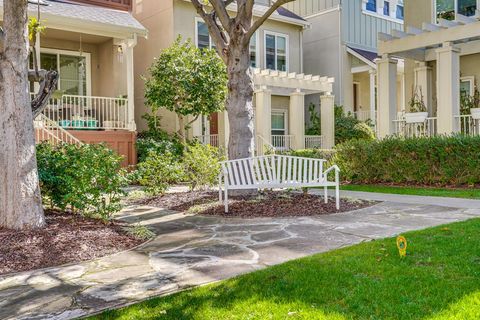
[{"x": 334, "y": 167}]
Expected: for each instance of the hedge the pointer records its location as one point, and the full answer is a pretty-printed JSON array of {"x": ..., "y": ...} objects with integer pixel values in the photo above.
[{"x": 442, "y": 160}]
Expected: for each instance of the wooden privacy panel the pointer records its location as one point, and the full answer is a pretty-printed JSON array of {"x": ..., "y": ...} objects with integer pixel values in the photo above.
[
  {"x": 123, "y": 142},
  {"x": 115, "y": 4}
]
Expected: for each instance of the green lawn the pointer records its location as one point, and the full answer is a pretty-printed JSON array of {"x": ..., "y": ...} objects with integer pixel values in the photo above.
[
  {"x": 439, "y": 279},
  {"x": 472, "y": 193}
]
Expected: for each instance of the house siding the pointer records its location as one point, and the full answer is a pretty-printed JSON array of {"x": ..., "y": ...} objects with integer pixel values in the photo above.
[{"x": 307, "y": 8}]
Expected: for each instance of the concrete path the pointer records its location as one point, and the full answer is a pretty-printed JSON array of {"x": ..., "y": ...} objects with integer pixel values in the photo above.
[
  {"x": 403, "y": 198},
  {"x": 193, "y": 250}
]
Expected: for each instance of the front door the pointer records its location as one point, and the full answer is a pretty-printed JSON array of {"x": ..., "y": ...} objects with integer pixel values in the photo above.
[{"x": 214, "y": 123}]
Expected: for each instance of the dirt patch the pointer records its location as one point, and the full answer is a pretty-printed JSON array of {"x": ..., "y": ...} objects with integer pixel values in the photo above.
[
  {"x": 265, "y": 204},
  {"x": 66, "y": 238}
]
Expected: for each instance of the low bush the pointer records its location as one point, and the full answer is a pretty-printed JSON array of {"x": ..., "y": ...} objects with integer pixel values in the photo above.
[
  {"x": 453, "y": 160},
  {"x": 312, "y": 153},
  {"x": 86, "y": 179},
  {"x": 158, "y": 171},
  {"x": 201, "y": 165},
  {"x": 348, "y": 128}
]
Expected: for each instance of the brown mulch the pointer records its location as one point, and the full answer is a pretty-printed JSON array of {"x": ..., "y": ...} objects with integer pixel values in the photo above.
[
  {"x": 265, "y": 204},
  {"x": 66, "y": 238}
]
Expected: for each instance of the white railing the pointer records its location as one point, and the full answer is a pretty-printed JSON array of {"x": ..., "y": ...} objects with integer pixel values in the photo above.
[
  {"x": 421, "y": 129},
  {"x": 467, "y": 125},
  {"x": 210, "y": 139},
  {"x": 88, "y": 112},
  {"x": 313, "y": 142},
  {"x": 263, "y": 146},
  {"x": 282, "y": 142},
  {"x": 48, "y": 130},
  {"x": 365, "y": 115}
]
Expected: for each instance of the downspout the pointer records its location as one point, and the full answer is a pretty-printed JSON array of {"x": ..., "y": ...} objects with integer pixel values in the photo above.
[{"x": 342, "y": 56}]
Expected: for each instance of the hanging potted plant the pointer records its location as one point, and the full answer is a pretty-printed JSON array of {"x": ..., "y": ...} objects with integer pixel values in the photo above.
[{"x": 418, "y": 111}]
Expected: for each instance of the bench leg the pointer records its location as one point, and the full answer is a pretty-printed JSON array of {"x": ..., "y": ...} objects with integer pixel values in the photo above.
[
  {"x": 226, "y": 200},
  {"x": 337, "y": 190},
  {"x": 325, "y": 194},
  {"x": 220, "y": 189}
]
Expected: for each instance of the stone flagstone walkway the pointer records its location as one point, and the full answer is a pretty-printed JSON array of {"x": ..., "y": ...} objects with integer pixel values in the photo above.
[{"x": 194, "y": 250}]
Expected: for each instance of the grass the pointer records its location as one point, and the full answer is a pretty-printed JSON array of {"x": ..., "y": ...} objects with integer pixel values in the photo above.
[
  {"x": 438, "y": 280},
  {"x": 472, "y": 193}
]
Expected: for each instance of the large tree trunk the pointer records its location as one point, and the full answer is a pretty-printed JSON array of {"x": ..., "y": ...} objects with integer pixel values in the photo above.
[
  {"x": 20, "y": 200},
  {"x": 240, "y": 105}
]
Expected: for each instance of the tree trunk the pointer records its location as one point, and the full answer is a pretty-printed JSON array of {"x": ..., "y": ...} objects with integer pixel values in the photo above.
[
  {"x": 240, "y": 105},
  {"x": 181, "y": 130},
  {"x": 20, "y": 200}
]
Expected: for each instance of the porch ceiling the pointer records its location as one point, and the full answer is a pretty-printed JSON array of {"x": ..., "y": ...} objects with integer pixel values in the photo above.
[
  {"x": 419, "y": 44},
  {"x": 69, "y": 36},
  {"x": 284, "y": 83}
]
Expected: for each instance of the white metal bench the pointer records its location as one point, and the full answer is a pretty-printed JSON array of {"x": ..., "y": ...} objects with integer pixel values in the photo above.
[{"x": 276, "y": 171}]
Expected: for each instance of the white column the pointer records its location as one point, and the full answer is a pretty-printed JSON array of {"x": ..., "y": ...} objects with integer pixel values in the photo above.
[
  {"x": 197, "y": 127},
  {"x": 387, "y": 95},
  {"x": 296, "y": 119},
  {"x": 327, "y": 120},
  {"x": 373, "y": 96},
  {"x": 130, "y": 44},
  {"x": 423, "y": 82},
  {"x": 448, "y": 88},
  {"x": 226, "y": 128},
  {"x": 263, "y": 113}
]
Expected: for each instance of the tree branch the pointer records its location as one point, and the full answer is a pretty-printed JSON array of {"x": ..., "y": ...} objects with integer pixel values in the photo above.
[
  {"x": 47, "y": 87},
  {"x": 214, "y": 29},
  {"x": 265, "y": 16},
  {"x": 2, "y": 39},
  {"x": 220, "y": 9}
]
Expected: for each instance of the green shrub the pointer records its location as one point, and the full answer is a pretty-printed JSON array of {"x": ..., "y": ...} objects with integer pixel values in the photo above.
[
  {"x": 452, "y": 160},
  {"x": 87, "y": 178},
  {"x": 312, "y": 153},
  {"x": 158, "y": 171},
  {"x": 348, "y": 128},
  {"x": 201, "y": 165}
]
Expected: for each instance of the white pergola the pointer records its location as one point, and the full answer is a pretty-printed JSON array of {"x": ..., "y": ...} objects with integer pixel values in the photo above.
[
  {"x": 296, "y": 86},
  {"x": 444, "y": 43}
]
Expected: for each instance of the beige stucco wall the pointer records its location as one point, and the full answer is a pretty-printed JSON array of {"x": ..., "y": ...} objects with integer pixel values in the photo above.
[{"x": 157, "y": 17}]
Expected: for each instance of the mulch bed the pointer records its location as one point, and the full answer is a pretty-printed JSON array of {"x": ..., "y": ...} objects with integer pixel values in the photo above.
[
  {"x": 66, "y": 238},
  {"x": 265, "y": 204}
]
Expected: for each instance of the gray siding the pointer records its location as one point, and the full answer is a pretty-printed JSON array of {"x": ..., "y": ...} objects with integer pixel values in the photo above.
[
  {"x": 360, "y": 29},
  {"x": 308, "y": 7}
]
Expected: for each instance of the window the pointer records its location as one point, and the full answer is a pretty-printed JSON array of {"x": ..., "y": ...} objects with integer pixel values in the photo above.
[
  {"x": 467, "y": 85},
  {"x": 203, "y": 40},
  {"x": 276, "y": 51},
  {"x": 399, "y": 12},
  {"x": 73, "y": 70},
  {"x": 447, "y": 9},
  {"x": 386, "y": 8},
  {"x": 372, "y": 5},
  {"x": 279, "y": 127}
]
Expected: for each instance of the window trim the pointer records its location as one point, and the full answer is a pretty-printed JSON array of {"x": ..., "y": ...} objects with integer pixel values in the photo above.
[
  {"x": 197, "y": 20},
  {"x": 257, "y": 48},
  {"x": 284, "y": 112},
  {"x": 379, "y": 13},
  {"x": 287, "y": 51},
  {"x": 470, "y": 79},
  {"x": 88, "y": 60}
]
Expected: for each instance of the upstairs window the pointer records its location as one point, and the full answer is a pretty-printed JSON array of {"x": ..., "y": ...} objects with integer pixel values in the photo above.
[
  {"x": 253, "y": 51},
  {"x": 371, "y": 5},
  {"x": 276, "y": 51},
  {"x": 447, "y": 9},
  {"x": 386, "y": 8},
  {"x": 399, "y": 12}
]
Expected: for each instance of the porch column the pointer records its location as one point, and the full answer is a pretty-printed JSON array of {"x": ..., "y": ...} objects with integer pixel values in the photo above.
[
  {"x": 226, "y": 129},
  {"x": 296, "y": 119},
  {"x": 387, "y": 95},
  {"x": 448, "y": 88},
  {"x": 263, "y": 113},
  {"x": 327, "y": 120},
  {"x": 423, "y": 81},
  {"x": 373, "y": 96},
  {"x": 130, "y": 44},
  {"x": 36, "y": 85}
]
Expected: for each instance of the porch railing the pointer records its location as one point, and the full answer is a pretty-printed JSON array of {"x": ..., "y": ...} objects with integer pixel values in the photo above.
[
  {"x": 421, "y": 129},
  {"x": 313, "y": 142},
  {"x": 210, "y": 139},
  {"x": 467, "y": 125},
  {"x": 282, "y": 142},
  {"x": 263, "y": 146},
  {"x": 48, "y": 130},
  {"x": 88, "y": 112}
]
